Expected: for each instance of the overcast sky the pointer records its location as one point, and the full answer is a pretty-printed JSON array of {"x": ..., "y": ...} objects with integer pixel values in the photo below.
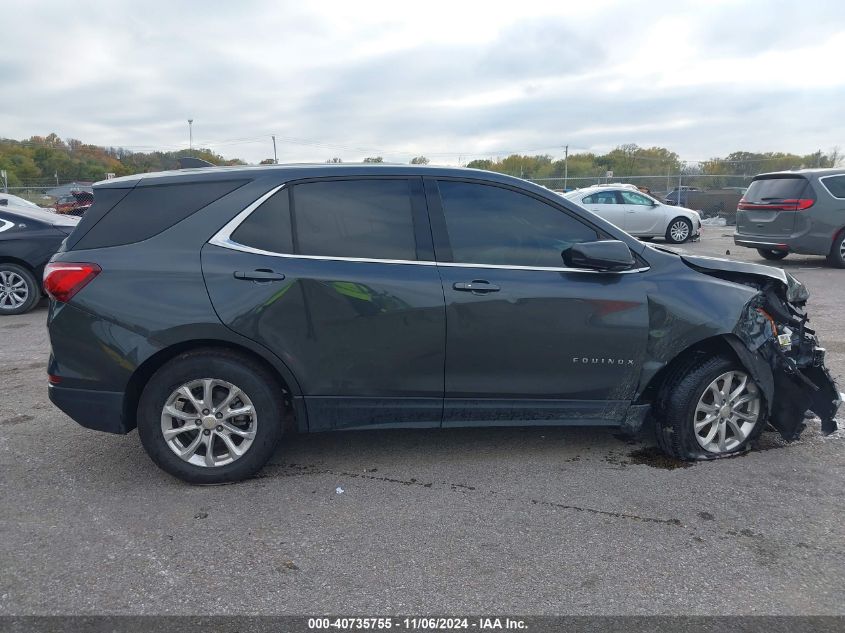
[{"x": 451, "y": 80}]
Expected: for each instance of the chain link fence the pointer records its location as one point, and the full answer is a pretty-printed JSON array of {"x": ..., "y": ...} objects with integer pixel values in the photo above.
[
  {"x": 657, "y": 185},
  {"x": 71, "y": 197}
]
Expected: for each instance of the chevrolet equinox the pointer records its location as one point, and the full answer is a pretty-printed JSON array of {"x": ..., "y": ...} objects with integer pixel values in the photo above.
[{"x": 216, "y": 309}]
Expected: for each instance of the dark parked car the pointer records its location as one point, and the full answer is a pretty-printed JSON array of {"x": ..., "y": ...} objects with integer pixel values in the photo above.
[
  {"x": 794, "y": 212},
  {"x": 28, "y": 238},
  {"x": 207, "y": 306},
  {"x": 683, "y": 194}
]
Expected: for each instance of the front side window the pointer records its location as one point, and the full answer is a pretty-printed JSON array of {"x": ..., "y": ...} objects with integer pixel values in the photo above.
[
  {"x": 492, "y": 225},
  {"x": 355, "y": 218},
  {"x": 631, "y": 197},
  {"x": 601, "y": 197}
]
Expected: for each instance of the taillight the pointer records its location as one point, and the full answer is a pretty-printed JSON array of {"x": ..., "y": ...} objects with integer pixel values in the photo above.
[
  {"x": 62, "y": 280},
  {"x": 788, "y": 204}
]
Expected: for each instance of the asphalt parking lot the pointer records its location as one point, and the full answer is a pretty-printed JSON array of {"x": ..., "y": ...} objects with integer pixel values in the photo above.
[{"x": 526, "y": 521}]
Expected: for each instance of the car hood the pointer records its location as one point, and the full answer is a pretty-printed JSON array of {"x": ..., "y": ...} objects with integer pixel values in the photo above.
[
  {"x": 795, "y": 291},
  {"x": 42, "y": 214}
]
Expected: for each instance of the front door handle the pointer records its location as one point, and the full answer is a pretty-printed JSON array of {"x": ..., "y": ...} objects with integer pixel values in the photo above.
[
  {"x": 478, "y": 286},
  {"x": 262, "y": 274}
]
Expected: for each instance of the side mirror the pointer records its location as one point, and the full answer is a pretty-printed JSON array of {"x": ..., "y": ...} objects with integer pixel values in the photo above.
[
  {"x": 606, "y": 255},
  {"x": 4, "y": 202}
]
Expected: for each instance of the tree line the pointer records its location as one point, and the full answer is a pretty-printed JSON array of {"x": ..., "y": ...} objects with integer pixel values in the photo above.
[
  {"x": 631, "y": 161},
  {"x": 45, "y": 159}
]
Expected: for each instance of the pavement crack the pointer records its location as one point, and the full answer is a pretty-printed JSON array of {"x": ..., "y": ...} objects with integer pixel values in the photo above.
[
  {"x": 610, "y": 513},
  {"x": 301, "y": 471}
]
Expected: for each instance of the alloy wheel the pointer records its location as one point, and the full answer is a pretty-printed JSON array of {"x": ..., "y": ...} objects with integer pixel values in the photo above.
[
  {"x": 209, "y": 422},
  {"x": 727, "y": 412},
  {"x": 679, "y": 231},
  {"x": 13, "y": 289}
]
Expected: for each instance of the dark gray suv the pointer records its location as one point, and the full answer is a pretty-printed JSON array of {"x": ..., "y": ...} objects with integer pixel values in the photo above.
[
  {"x": 794, "y": 212},
  {"x": 216, "y": 309}
]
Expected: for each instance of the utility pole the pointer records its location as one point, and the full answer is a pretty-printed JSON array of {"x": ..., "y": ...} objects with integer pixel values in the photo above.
[
  {"x": 5, "y": 180},
  {"x": 565, "y": 165},
  {"x": 680, "y": 175},
  {"x": 275, "y": 157},
  {"x": 190, "y": 134}
]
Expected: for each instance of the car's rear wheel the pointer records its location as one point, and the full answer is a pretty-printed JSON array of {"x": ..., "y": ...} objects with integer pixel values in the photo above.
[
  {"x": 709, "y": 409},
  {"x": 211, "y": 416},
  {"x": 771, "y": 254},
  {"x": 19, "y": 290},
  {"x": 679, "y": 231},
  {"x": 836, "y": 257}
]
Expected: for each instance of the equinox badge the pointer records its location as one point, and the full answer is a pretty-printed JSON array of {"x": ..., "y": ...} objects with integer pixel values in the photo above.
[{"x": 602, "y": 361}]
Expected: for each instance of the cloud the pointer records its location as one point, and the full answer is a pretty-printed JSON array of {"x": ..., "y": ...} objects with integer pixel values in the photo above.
[{"x": 456, "y": 79}]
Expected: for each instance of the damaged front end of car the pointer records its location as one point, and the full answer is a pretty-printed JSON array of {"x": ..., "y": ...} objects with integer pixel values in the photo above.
[{"x": 775, "y": 343}]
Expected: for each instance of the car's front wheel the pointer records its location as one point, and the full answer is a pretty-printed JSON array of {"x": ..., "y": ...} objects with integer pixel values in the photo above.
[
  {"x": 711, "y": 408},
  {"x": 771, "y": 254},
  {"x": 211, "y": 416},
  {"x": 19, "y": 290},
  {"x": 679, "y": 231}
]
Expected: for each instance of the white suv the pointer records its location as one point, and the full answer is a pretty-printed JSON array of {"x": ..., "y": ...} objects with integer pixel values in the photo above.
[{"x": 637, "y": 213}]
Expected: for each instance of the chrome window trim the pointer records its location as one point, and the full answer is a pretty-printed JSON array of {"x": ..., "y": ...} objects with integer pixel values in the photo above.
[
  {"x": 826, "y": 188},
  {"x": 5, "y": 225},
  {"x": 223, "y": 239}
]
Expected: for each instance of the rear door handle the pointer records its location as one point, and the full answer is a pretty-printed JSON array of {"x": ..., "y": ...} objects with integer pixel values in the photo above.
[
  {"x": 262, "y": 274},
  {"x": 476, "y": 285}
]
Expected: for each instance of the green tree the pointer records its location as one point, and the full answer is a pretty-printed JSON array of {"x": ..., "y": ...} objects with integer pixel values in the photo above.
[{"x": 419, "y": 160}]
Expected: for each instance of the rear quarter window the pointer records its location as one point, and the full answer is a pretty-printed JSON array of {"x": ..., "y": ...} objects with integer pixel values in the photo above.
[
  {"x": 835, "y": 185},
  {"x": 146, "y": 211}
]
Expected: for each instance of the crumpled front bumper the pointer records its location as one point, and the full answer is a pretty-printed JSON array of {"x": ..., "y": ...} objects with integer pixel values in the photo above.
[{"x": 785, "y": 359}]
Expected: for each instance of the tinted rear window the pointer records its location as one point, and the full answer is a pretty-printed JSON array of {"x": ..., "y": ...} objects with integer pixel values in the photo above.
[
  {"x": 147, "y": 211},
  {"x": 268, "y": 227},
  {"x": 104, "y": 201},
  {"x": 835, "y": 185},
  {"x": 355, "y": 218},
  {"x": 767, "y": 190}
]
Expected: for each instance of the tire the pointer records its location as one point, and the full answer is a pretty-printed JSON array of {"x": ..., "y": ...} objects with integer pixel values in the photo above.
[
  {"x": 257, "y": 434},
  {"x": 836, "y": 258},
  {"x": 19, "y": 290},
  {"x": 679, "y": 231},
  {"x": 688, "y": 388},
  {"x": 646, "y": 239},
  {"x": 772, "y": 255}
]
